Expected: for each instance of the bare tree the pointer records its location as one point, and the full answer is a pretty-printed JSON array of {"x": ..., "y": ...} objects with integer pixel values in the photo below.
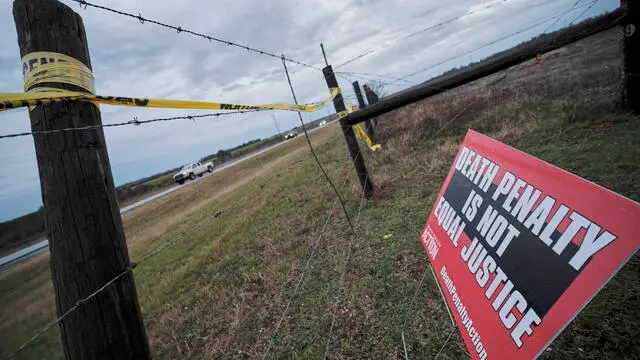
[{"x": 379, "y": 87}]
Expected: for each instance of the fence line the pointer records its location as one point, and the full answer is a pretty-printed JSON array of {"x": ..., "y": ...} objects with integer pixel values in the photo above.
[
  {"x": 585, "y": 10},
  {"x": 313, "y": 152},
  {"x": 306, "y": 266},
  {"x": 134, "y": 122},
  {"x": 376, "y": 75},
  {"x": 406, "y": 315},
  {"x": 404, "y": 37},
  {"x": 179, "y": 29},
  {"x": 489, "y": 44},
  {"x": 428, "y": 267},
  {"x": 354, "y": 237},
  {"x": 349, "y": 77},
  {"x": 143, "y": 259},
  {"x": 564, "y": 13},
  {"x": 217, "y": 214},
  {"x": 445, "y": 343},
  {"x": 394, "y": 42}
]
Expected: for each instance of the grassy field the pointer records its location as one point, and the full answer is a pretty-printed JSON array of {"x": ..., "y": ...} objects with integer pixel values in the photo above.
[
  {"x": 221, "y": 291},
  {"x": 28, "y": 229}
]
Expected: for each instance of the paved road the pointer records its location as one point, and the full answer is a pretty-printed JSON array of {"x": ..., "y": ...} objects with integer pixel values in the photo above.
[{"x": 43, "y": 246}]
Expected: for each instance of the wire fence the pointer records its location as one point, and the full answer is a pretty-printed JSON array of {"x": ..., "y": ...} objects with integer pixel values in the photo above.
[
  {"x": 134, "y": 122},
  {"x": 313, "y": 152},
  {"x": 353, "y": 223},
  {"x": 129, "y": 269},
  {"x": 413, "y": 34},
  {"x": 307, "y": 264},
  {"x": 510, "y": 35},
  {"x": 340, "y": 289},
  {"x": 180, "y": 29}
]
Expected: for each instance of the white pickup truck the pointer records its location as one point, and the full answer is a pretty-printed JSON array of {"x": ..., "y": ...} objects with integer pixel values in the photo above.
[{"x": 190, "y": 171}]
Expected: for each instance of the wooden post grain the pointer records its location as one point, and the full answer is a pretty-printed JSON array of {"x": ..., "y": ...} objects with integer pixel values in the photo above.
[
  {"x": 82, "y": 216},
  {"x": 349, "y": 136}
]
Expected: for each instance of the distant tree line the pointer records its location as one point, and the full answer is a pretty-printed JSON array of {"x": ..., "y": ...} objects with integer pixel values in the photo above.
[{"x": 19, "y": 232}]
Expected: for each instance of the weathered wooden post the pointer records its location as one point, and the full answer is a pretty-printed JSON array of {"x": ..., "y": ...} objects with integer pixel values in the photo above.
[
  {"x": 82, "y": 217},
  {"x": 349, "y": 135},
  {"x": 631, "y": 29},
  {"x": 372, "y": 98},
  {"x": 362, "y": 105}
]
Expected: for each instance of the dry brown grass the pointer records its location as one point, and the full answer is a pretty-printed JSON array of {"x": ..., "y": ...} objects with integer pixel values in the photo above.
[
  {"x": 151, "y": 221},
  {"x": 27, "y": 301}
]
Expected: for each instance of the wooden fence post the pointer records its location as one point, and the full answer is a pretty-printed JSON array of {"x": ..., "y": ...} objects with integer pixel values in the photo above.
[
  {"x": 82, "y": 217},
  {"x": 362, "y": 105},
  {"x": 631, "y": 29},
  {"x": 349, "y": 136},
  {"x": 372, "y": 98}
]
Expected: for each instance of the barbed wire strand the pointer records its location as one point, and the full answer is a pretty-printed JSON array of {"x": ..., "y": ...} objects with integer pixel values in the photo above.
[
  {"x": 404, "y": 37},
  {"x": 337, "y": 194},
  {"x": 307, "y": 264},
  {"x": 133, "y": 265},
  {"x": 134, "y": 122},
  {"x": 313, "y": 152},
  {"x": 485, "y": 45},
  {"x": 66, "y": 313},
  {"x": 564, "y": 13},
  {"x": 585, "y": 10},
  {"x": 385, "y": 83},
  {"x": 426, "y": 270},
  {"x": 445, "y": 343},
  {"x": 349, "y": 77},
  {"x": 343, "y": 274},
  {"x": 398, "y": 40},
  {"x": 179, "y": 29},
  {"x": 406, "y": 316},
  {"x": 377, "y": 75}
]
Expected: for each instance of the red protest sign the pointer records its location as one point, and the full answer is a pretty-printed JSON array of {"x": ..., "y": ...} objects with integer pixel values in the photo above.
[{"x": 520, "y": 246}]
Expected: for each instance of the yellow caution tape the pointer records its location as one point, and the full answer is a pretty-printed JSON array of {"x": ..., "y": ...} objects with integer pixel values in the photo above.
[
  {"x": 45, "y": 67},
  {"x": 363, "y": 135},
  {"x": 357, "y": 128}
]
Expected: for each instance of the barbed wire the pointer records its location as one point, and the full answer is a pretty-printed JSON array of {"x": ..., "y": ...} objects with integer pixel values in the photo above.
[
  {"x": 361, "y": 77},
  {"x": 355, "y": 74},
  {"x": 144, "y": 258},
  {"x": 406, "y": 315},
  {"x": 313, "y": 152},
  {"x": 415, "y": 294},
  {"x": 179, "y": 29},
  {"x": 404, "y": 37},
  {"x": 306, "y": 265},
  {"x": 445, "y": 343},
  {"x": 134, "y": 122},
  {"x": 485, "y": 45},
  {"x": 564, "y": 13},
  {"x": 585, "y": 10},
  {"x": 344, "y": 272}
]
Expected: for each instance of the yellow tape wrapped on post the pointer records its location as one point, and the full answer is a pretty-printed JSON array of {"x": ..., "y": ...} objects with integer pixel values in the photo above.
[
  {"x": 45, "y": 67},
  {"x": 363, "y": 135},
  {"x": 357, "y": 128}
]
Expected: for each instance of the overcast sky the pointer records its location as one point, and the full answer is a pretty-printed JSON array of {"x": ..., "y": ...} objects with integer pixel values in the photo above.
[{"x": 145, "y": 60}]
